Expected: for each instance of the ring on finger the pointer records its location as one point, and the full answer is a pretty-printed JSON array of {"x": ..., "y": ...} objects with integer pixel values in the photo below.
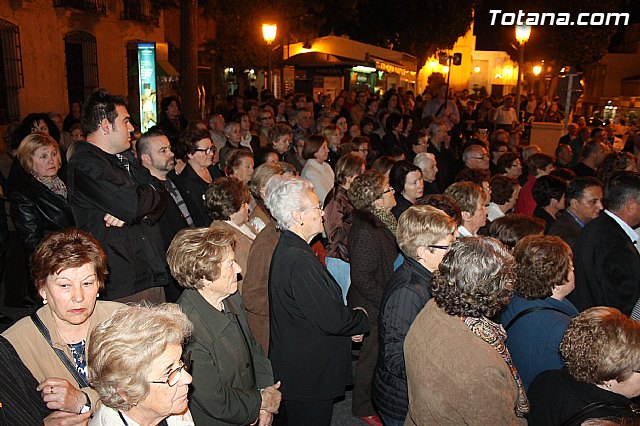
[{"x": 51, "y": 392}]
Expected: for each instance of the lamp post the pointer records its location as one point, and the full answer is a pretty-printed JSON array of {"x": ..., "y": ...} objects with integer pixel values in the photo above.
[
  {"x": 269, "y": 34},
  {"x": 522, "y": 35}
]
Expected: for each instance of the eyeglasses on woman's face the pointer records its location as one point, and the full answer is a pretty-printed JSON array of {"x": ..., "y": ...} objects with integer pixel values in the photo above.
[
  {"x": 174, "y": 375},
  {"x": 208, "y": 151}
]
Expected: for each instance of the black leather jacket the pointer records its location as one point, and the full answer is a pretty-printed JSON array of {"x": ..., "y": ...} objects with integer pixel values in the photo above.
[{"x": 37, "y": 211}]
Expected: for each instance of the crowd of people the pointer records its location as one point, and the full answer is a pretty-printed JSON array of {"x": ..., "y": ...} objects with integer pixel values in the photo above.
[{"x": 230, "y": 272}]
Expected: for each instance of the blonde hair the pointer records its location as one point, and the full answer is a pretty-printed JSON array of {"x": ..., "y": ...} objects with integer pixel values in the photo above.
[
  {"x": 30, "y": 144},
  {"x": 124, "y": 346},
  {"x": 421, "y": 226},
  {"x": 196, "y": 253}
]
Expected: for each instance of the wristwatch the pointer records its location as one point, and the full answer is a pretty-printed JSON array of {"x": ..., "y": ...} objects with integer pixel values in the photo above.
[{"x": 87, "y": 406}]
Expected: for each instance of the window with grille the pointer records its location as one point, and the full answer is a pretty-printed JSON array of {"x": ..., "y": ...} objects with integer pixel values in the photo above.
[
  {"x": 139, "y": 11},
  {"x": 11, "y": 77},
  {"x": 97, "y": 6},
  {"x": 82, "y": 66}
]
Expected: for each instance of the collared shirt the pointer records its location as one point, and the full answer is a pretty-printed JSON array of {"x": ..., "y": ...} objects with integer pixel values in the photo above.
[
  {"x": 464, "y": 232},
  {"x": 578, "y": 221},
  {"x": 625, "y": 227}
]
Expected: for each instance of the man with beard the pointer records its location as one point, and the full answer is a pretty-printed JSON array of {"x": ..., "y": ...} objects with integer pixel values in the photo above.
[{"x": 154, "y": 153}]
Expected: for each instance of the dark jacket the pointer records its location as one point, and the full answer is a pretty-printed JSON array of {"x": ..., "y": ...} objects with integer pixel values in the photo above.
[
  {"x": 406, "y": 295},
  {"x": 607, "y": 267},
  {"x": 541, "y": 213},
  {"x": 311, "y": 329},
  {"x": 193, "y": 188},
  {"x": 372, "y": 250},
  {"x": 534, "y": 339},
  {"x": 37, "y": 211},
  {"x": 171, "y": 131},
  {"x": 555, "y": 396},
  {"x": 229, "y": 366},
  {"x": 566, "y": 228},
  {"x": 337, "y": 222},
  {"x": 98, "y": 184},
  {"x": 402, "y": 204}
]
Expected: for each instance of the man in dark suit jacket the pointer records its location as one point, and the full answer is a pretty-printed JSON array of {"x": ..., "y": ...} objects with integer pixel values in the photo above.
[
  {"x": 607, "y": 264},
  {"x": 583, "y": 200}
]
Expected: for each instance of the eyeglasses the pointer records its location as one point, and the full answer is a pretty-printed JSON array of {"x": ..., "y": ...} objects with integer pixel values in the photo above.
[
  {"x": 210, "y": 150},
  {"x": 318, "y": 207},
  {"x": 174, "y": 375},
  {"x": 437, "y": 247},
  {"x": 484, "y": 157},
  {"x": 391, "y": 190}
]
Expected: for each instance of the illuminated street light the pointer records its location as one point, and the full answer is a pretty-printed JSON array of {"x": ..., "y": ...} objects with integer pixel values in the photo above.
[
  {"x": 269, "y": 32},
  {"x": 445, "y": 69},
  {"x": 476, "y": 69},
  {"x": 537, "y": 70},
  {"x": 522, "y": 35}
]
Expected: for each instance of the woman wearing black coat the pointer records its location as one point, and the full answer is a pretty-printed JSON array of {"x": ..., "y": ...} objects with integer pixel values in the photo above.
[
  {"x": 424, "y": 234},
  {"x": 39, "y": 205},
  {"x": 372, "y": 251},
  {"x": 311, "y": 330}
]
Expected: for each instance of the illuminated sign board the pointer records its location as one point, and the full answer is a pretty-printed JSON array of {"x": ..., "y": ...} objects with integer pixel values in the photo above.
[{"x": 147, "y": 85}]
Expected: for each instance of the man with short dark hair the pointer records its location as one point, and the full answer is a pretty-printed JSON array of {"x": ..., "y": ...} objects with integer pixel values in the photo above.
[
  {"x": 112, "y": 197},
  {"x": 592, "y": 157},
  {"x": 583, "y": 200},
  {"x": 607, "y": 263}
]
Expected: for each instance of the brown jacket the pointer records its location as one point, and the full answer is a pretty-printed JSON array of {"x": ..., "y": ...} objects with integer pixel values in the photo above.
[
  {"x": 454, "y": 377},
  {"x": 241, "y": 248},
  {"x": 38, "y": 356},
  {"x": 255, "y": 293}
]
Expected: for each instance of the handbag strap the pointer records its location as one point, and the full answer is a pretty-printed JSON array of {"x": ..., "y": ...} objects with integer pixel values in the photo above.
[
  {"x": 597, "y": 405},
  {"x": 529, "y": 310},
  {"x": 82, "y": 382}
]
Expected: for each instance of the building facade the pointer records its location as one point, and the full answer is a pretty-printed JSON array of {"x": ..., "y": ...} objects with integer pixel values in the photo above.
[{"x": 56, "y": 52}]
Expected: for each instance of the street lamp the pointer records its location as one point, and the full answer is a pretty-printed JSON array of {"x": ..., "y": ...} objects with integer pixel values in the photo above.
[
  {"x": 269, "y": 32},
  {"x": 537, "y": 70},
  {"x": 522, "y": 35}
]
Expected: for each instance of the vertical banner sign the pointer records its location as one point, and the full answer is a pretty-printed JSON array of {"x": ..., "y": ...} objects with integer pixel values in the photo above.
[{"x": 147, "y": 85}]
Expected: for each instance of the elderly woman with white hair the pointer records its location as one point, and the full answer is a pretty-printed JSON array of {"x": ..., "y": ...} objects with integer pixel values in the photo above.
[
  {"x": 311, "y": 328},
  {"x": 137, "y": 366}
]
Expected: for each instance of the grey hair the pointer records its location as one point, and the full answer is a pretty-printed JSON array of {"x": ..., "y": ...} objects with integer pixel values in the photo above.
[
  {"x": 284, "y": 195},
  {"x": 421, "y": 160}
]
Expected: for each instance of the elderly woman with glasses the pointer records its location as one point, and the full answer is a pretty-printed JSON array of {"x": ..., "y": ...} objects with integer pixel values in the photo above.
[
  {"x": 458, "y": 368},
  {"x": 137, "y": 367},
  {"x": 232, "y": 379},
  {"x": 199, "y": 153},
  {"x": 372, "y": 253},
  {"x": 311, "y": 328},
  {"x": 424, "y": 234},
  {"x": 601, "y": 374}
]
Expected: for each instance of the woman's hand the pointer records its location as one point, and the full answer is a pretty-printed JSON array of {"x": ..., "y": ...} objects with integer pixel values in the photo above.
[
  {"x": 62, "y": 418},
  {"x": 59, "y": 394},
  {"x": 357, "y": 338},
  {"x": 271, "y": 397}
]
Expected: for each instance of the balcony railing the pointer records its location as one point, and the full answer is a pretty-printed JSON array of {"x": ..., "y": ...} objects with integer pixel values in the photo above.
[
  {"x": 138, "y": 11},
  {"x": 97, "y": 6}
]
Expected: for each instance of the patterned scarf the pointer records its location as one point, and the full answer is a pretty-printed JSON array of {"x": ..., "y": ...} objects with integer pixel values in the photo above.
[
  {"x": 495, "y": 335},
  {"x": 387, "y": 218},
  {"x": 55, "y": 184}
]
